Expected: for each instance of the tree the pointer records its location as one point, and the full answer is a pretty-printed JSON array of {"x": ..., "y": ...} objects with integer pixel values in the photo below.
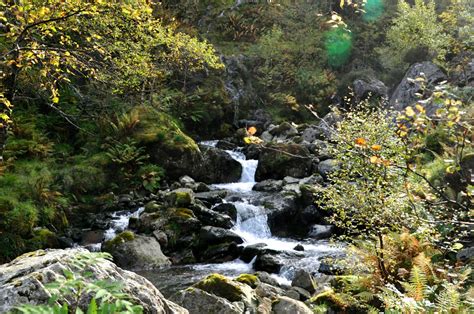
[
  {"x": 120, "y": 44},
  {"x": 415, "y": 34}
]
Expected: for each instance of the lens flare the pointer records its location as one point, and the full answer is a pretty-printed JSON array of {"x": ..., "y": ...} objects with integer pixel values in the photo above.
[{"x": 338, "y": 46}]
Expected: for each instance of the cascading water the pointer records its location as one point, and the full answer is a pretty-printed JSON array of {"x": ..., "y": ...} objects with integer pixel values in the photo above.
[{"x": 252, "y": 225}]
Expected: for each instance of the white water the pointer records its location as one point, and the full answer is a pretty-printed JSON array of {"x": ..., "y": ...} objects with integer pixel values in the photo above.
[
  {"x": 252, "y": 226},
  {"x": 120, "y": 223}
]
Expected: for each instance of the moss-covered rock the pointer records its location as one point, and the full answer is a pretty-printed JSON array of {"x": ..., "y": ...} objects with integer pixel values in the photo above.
[
  {"x": 120, "y": 238},
  {"x": 248, "y": 279},
  {"x": 42, "y": 239},
  {"x": 180, "y": 197},
  {"x": 221, "y": 286}
]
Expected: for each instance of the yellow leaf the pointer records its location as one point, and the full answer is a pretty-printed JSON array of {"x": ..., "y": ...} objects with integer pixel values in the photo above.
[
  {"x": 252, "y": 130},
  {"x": 360, "y": 141},
  {"x": 420, "y": 108},
  {"x": 374, "y": 159},
  {"x": 376, "y": 147},
  {"x": 55, "y": 100},
  {"x": 409, "y": 111}
]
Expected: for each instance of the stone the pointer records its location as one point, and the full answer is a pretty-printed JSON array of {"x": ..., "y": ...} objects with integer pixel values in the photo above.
[
  {"x": 23, "y": 280},
  {"x": 217, "y": 166},
  {"x": 266, "y": 137},
  {"x": 466, "y": 255},
  {"x": 283, "y": 131},
  {"x": 277, "y": 161},
  {"x": 213, "y": 235},
  {"x": 182, "y": 197},
  {"x": 268, "y": 263},
  {"x": 197, "y": 301},
  {"x": 299, "y": 248},
  {"x": 161, "y": 237},
  {"x": 252, "y": 250},
  {"x": 285, "y": 305},
  {"x": 321, "y": 231},
  {"x": 311, "y": 134},
  {"x": 136, "y": 252},
  {"x": 268, "y": 186},
  {"x": 226, "y": 208},
  {"x": 185, "y": 180},
  {"x": 267, "y": 278},
  {"x": 327, "y": 166},
  {"x": 212, "y": 218},
  {"x": 152, "y": 206},
  {"x": 303, "y": 294},
  {"x": 92, "y": 236},
  {"x": 405, "y": 93},
  {"x": 329, "y": 268},
  {"x": 303, "y": 279},
  {"x": 211, "y": 197},
  {"x": 265, "y": 290},
  {"x": 373, "y": 87}
]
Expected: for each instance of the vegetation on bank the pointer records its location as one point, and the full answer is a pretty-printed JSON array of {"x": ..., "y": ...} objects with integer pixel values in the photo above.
[{"x": 87, "y": 86}]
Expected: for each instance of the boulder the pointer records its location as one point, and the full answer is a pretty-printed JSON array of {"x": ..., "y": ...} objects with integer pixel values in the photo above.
[
  {"x": 298, "y": 293},
  {"x": 304, "y": 280},
  {"x": 228, "y": 209},
  {"x": 321, "y": 231},
  {"x": 197, "y": 301},
  {"x": 265, "y": 277},
  {"x": 285, "y": 305},
  {"x": 212, "y": 218},
  {"x": 182, "y": 197},
  {"x": 252, "y": 250},
  {"x": 268, "y": 186},
  {"x": 277, "y": 161},
  {"x": 23, "y": 280},
  {"x": 217, "y": 166},
  {"x": 268, "y": 263},
  {"x": 214, "y": 235},
  {"x": 405, "y": 93},
  {"x": 212, "y": 197},
  {"x": 283, "y": 131},
  {"x": 373, "y": 87},
  {"x": 312, "y": 134},
  {"x": 136, "y": 252}
]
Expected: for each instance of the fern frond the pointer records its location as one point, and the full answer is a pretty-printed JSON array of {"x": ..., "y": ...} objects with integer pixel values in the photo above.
[
  {"x": 416, "y": 288},
  {"x": 424, "y": 263},
  {"x": 449, "y": 299}
]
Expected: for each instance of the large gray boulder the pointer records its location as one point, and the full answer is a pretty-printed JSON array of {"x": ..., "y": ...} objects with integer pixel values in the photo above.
[
  {"x": 217, "y": 166},
  {"x": 197, "y": 301},
  {"x": 136, "y": 252},
  {"x": 364, "y": 88},
  {"x": 405, "y": 93},
  {"x": 23, "y": 280},
  {"x": 280, "y": 160}
]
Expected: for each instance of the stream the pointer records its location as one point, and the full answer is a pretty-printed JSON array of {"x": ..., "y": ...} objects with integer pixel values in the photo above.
[{"x": 251, "y": 226}]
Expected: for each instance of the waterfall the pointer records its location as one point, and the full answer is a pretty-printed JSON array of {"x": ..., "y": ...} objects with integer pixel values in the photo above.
[{"x": 120, "y": 222}]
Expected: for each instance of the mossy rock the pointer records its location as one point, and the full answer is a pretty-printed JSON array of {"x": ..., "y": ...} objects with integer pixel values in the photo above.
[
  {"x": 221, "y": 286},
  {"x": 120, "y": 238},
  {"x": 339, "y": 302},
  {"x": 248, "y": 279},
  {"x": 152, "y": 207},
  {"x": 158, "y": 127},
  {"x": 185, "y": 213},
  {"x": 181, "y": 197},
  {"x": 43, "y": 239}
]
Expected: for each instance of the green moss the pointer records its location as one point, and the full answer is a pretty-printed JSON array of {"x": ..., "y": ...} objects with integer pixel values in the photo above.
[
  {"x": 123, "y": 237},
  {"x": 221, "y": 286},
  {"x": 42, "y": 239},
  {"x": 248, "y": 279},
  {"x": 331, "y": 299},
  {"x": 183, "y": 213},
  {"x": 158, "y": 127}
]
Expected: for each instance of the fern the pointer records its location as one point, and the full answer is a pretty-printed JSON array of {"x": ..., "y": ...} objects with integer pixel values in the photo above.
[
  {"x": 417, "y": 287},
  {"x": 449, "y": 299}
]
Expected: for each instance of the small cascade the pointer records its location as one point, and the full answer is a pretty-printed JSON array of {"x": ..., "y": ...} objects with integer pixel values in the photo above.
[{"x": 120, "y": 222}]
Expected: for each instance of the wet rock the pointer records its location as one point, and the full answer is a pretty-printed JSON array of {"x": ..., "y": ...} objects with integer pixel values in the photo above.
[
  {"x": 152, "y": 206},
  {"x": 183, "y": 257},
  {"x": 266, "y": 136},
  {"x": 65, "y": 242},
  {"x": 212, "y": 218},
  {"x": 213, "y": 235},
  {"x": 92, "y": 236},
  {"x": 268, "y": 263},
  {"x": 321, "y": 231},
  {"x": 285, "y": 305},
  {"x": 267, "y": 278},
  {"x": 250, "y": 251},
  {"x": 228, "y": 209},
  {"x": 363, "y": 88},
  {"x": 136, "y": 252},
  {"x": 325, "y": 167},
  {"x": 186, "y": 180},
  {"x": 268, "y": 186},
  {"x": 314, "y": 179},
  {"x": 219, "y": 253},
  {"x": 299, "y": 248},
  {"x": 277, "y": 161},
  {"x": 405, "y": 93},
  {"x": 161, "y": 237},
  {"x": 22, "y": 281},
  {"x": 304, "y": 280},
  {"x": 218, "y": 166},
  {"x": 226, "y": 145},
  {"x": 212, "y": 197}
]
